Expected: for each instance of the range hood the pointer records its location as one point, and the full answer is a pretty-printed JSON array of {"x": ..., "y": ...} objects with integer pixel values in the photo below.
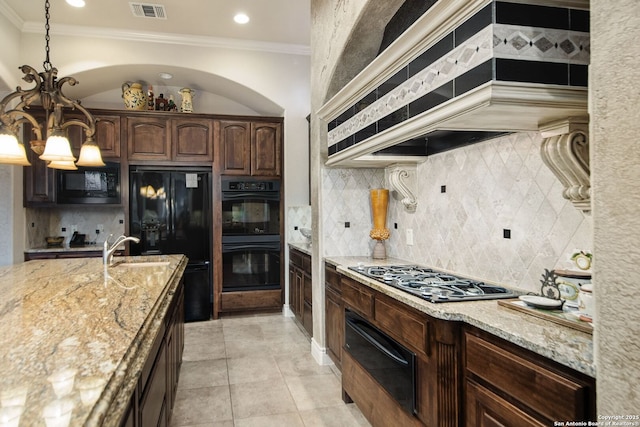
[{"x": 464, "y": 72}]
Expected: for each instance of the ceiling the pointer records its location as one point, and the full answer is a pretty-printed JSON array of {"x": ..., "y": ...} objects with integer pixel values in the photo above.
[
  {"x": 275, "y": 26},
  {"x": 272, "y": 21}
]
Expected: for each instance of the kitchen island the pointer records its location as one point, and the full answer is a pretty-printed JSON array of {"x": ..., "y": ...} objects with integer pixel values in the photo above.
[{"x": 76, "y": 336}]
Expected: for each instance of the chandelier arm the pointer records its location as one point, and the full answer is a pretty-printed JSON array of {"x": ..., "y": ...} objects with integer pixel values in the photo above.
[
  {"x": 27, "y": 96},
  {"x": 90, "y": 126},
  {"x": 21, "y": 117},
  {"x": 31, "y": 75},
  {"x": 76, "y": 122},
  {"x": 28, "y": 118}
]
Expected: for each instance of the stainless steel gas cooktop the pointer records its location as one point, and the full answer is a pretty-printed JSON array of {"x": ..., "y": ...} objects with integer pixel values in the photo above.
[{"x": 433, "y": 285}]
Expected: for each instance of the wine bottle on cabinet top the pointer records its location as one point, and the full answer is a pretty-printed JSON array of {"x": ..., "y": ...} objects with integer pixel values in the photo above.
[{"x": 150, "y": 100}]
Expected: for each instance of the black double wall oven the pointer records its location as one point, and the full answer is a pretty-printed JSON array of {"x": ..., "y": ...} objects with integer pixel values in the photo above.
[{"x": 251, "y": 244}]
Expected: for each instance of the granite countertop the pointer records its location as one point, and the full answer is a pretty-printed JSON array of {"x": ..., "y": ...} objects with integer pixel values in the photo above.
[
  {"x": 564, "y": 345},
  {"x": 302, "y": 247},
  {"x": 76, "y": 334}
]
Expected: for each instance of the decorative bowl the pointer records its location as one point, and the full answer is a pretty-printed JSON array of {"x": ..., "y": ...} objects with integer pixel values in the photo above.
[
  {"x": 54, "y": 240},
  {"x": 306, "y": 232}
]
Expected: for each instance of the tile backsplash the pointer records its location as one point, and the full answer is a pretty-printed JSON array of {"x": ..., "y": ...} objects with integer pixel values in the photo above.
[
  {"x": 493, "y": 188},
  {"x": 297, "y": 217},
  {"x": 50, "y": 222}
]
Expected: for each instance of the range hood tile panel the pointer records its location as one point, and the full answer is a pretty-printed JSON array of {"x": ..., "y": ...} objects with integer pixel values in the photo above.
[{"x": 500, "y": 49}]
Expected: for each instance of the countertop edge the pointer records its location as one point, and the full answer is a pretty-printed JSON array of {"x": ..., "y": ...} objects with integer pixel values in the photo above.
[
  {"x": 113, "y": 402},
  {"x": 302, "y": 247}
]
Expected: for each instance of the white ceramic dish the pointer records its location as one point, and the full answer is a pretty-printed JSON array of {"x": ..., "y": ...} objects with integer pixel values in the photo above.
[{"x": 541, "y": 302}]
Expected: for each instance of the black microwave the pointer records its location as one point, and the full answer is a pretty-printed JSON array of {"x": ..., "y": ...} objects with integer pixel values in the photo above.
[{"x": 89, "y": 185}]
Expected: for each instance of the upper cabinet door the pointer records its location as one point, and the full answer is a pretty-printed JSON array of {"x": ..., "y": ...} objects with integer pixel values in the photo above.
[
  {"x": 192, "y": 139},
  {"x": 235, "y": 148},
  {"x": 108, "y": 135},
  {"x": 148, "y": 138},
  {"x": 266, "y": 144}
]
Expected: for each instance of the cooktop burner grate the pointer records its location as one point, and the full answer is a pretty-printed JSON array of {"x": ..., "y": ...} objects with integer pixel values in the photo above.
[{"x": 433, "y": 285}]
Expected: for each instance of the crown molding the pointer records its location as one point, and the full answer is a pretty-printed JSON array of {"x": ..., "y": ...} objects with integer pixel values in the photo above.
[
  {"x": 167, "y": 38},
  {"x": 8, "y": 12}
]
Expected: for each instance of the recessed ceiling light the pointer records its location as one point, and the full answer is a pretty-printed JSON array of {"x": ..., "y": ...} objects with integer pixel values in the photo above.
[
  {"x": 241, "y": 18},
  {"x": 76, "y": 3},
  {"x": 165, "y": 76}
]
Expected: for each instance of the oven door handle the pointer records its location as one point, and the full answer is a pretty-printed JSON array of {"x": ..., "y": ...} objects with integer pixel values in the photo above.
[
  {"x": 359, "y": 327},
  {"x": 271, "y": 195},
  {"x": 227, "y": 247}
]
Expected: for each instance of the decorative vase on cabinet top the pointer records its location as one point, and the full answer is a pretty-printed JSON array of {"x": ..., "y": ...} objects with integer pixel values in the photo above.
[
  {"x": 187, "y": 100},
  {"x": 133, "y": 96}
]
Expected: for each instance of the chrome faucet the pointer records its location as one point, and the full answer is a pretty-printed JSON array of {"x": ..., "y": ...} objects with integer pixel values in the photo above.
[{"x": 107, "y": 252}]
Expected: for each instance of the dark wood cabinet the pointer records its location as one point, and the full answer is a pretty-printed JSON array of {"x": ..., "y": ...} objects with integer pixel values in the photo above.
[
  {"x": 300, "y": 292},
  {"x": 108, "y": 135},
  {"x": 486, "y": 409},
  {"x": 266, "y": 152},
  {"x": 509, "y": 385},
  {"x": 192, "y": 139},
  {"x": 250, "y": 148},
  {"x": 148, "y": 138},
  {"x": 334, "y": 314},
  {"x": 39, "y": 180},
  {"x": 235, "y": 148},
  {"x": 436, "y": 344}
]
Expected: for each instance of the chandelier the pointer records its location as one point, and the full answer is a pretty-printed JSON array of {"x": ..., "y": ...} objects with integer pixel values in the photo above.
[{"x": 56, "y": 150}]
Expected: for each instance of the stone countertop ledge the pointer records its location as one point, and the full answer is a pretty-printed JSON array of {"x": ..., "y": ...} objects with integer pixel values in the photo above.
[
  {"x": 564, "y": 345},
  {"x": 75, "y": 336}
]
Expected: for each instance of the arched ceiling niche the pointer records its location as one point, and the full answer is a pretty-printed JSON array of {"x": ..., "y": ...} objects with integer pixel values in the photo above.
[{"x": 103, "y": 79}]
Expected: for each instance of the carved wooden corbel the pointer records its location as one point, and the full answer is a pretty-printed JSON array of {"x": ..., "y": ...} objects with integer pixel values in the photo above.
[
  {"x": 565, "y": 150},
  {"x": 402, "y": 179}
]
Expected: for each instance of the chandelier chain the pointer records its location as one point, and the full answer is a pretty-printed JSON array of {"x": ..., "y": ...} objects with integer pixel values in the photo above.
[{"x": 47, "y": 63}]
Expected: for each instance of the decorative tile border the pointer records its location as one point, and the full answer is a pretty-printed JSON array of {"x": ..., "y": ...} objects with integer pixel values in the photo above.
[
  {"x": 503, "y": 41},
  {"x": 472, "y": 53}
]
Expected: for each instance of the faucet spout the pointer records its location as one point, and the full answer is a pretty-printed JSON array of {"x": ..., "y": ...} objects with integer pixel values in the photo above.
[{"x": 107, "y": 252}]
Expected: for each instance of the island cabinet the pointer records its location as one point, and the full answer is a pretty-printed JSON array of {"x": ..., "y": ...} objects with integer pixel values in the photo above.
[
  {"x": 250, "y": 148},
  {"x": 153, "y": 400},
  {"x": 300, "y": 299},
  {"x": 436, "y": 345},
  {"x": 334, "y": 314},
  {"x": 507, "y": 385},
  {"x": 163, "y": 138}
]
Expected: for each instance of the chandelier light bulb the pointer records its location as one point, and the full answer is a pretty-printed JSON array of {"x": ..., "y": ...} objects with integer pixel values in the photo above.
[
  {"x": 11, "y": 151},
  {"x": 61, "y": 164},
  {"x": 90, "y": 155},
  {"x": 58, "y": 147}
]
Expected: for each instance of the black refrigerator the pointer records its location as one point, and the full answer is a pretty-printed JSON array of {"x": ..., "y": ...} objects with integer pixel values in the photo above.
[{"x": 170, "y": 212}]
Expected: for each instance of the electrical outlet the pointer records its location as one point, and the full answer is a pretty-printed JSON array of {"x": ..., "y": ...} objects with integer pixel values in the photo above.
[
  {"x": 100, "y": 229},
  {"x": 74, "y": 228},
  {"x": 409, "y": 236}
]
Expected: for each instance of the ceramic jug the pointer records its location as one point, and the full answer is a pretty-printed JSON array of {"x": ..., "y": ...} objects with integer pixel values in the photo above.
[
  {"x": 187, "y": 100},
  {"x": 134, "y": 97}
]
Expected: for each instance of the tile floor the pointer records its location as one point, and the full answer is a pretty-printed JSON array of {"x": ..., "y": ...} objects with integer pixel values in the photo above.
[{"x": 256, "y": 371}]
